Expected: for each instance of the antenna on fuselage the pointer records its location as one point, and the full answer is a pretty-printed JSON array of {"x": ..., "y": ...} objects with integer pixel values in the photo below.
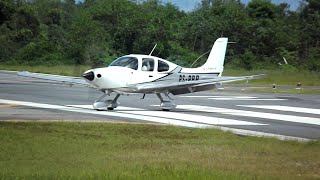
[
  {"x": 194, "y": 62},
  {"x": 199, "y": 58},
  {"x": 153, "y": 49}
]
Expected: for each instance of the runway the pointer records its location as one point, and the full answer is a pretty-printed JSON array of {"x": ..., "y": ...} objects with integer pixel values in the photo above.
[{"x": 284, "y": 116}]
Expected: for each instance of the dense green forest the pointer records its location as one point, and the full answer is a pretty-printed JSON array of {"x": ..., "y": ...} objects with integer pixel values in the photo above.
[{"x": 94, "y": 32}]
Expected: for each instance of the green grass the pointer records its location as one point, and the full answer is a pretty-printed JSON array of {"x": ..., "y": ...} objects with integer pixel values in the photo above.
[
  {"x": 272, "y": 76},
  {"x": 289, "y": 91},
  {"x": 278, "y": 77},
  {"x": 61, "y": 150}
]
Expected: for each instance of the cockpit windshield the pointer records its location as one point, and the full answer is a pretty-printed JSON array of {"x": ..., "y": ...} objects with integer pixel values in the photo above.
[{"x": 129, "y": 62}]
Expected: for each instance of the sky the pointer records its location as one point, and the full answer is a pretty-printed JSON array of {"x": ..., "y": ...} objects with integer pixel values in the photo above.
[{"x": 188, "y": 5}]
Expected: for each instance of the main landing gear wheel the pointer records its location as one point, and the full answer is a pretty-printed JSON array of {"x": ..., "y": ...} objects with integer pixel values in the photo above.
[
  {"x": 166, "y": 105},
  {"x": 106, "y": 105}
]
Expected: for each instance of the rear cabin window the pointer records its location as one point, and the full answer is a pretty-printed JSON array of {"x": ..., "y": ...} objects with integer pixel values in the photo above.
[{"x": 162, "y": 66}]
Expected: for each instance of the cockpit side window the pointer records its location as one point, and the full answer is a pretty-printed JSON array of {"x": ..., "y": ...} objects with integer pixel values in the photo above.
[
  {"x": 129, "y": 62},
  {"x": 147, "y": 64},
  {"x": 162, "y": 66}
]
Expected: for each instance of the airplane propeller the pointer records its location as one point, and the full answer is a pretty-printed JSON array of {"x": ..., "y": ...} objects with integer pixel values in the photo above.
[{"x": 89, "y": 75}]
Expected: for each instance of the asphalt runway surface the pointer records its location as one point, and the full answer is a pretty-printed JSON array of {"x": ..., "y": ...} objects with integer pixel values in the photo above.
[{"x": 285, "y": 116}]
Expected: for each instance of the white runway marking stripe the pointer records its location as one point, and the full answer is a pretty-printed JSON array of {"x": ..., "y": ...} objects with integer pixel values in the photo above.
[
  {"x": 235, "y": 98},
  {"x": 244, "y": 99},
  {"x": 195, "y": 118},
  {"x": 120, "y": 108},
  {"x": 108, "y": 113},
  {"x": 285, "y": 108},
  {"x": 152, "y": 116},
  {"x": 281, "y": 117},
  {"x": 145, "y": 118},
  {"x": 182, "y": 116}
]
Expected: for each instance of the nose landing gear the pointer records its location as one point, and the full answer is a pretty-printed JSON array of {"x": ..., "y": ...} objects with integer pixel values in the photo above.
[{"x": 106, "y": 105}]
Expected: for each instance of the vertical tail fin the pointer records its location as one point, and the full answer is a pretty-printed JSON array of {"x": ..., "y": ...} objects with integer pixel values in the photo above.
[{"x": 216, "y": 57}]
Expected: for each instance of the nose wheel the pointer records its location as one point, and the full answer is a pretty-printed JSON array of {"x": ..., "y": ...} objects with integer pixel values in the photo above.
[{"x": 106, "y": 105}]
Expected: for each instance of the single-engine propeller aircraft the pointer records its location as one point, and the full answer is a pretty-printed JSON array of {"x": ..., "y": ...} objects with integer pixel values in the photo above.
[{"x": 147, "y": 74}]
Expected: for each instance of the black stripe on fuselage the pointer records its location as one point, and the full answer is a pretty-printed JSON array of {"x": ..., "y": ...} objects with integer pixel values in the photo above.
[
  {"x": 201, "y": 73},
  {"x": 157, "y": 80},
  {"x": 169, "y": 73}
]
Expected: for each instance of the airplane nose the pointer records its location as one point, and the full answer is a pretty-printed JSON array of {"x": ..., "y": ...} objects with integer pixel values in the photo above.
[{"x": 89, "y": 75}]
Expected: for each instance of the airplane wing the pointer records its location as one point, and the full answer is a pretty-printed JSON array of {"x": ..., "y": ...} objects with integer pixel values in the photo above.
[
  {"x": 190, "y": 86},
  {"x": 57, "y": 78},
  {"x": 151, "y": 87}
]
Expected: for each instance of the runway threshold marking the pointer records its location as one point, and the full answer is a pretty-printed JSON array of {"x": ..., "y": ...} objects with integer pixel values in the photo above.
[
  {"x": 263, "y": 115},
  {"x": 248, "y": 99},
  {"x": 285, "y": 108},
  {"x": 173, "y": 118},
  {"x": 153, "y": 119},
  {"x": 239, "y": 97},
  {"x": 180, "y": 116},
  {"x": 120, "y": 108},
  {"x": 236, "y": 98},
  {"x": 108, "y": 113}
]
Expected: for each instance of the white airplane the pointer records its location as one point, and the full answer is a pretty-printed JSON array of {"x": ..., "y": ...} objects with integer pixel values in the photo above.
[{"x": 147, "y": 74}]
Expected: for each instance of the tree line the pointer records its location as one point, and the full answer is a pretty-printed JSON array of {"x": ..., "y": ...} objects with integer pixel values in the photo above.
[{"x": 94, "y": 32}]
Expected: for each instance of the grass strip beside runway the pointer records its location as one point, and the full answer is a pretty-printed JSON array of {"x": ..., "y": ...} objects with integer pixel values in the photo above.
[
  {"x": 64, "y": 150},
  {"x": 278, "y": 90},
  {"x": 278, "y": 77}
]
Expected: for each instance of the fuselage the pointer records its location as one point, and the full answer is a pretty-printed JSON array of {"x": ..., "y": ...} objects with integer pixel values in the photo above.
[
  {"x": 128, "y": 70},
  {"x": 134, "y": 69}
]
